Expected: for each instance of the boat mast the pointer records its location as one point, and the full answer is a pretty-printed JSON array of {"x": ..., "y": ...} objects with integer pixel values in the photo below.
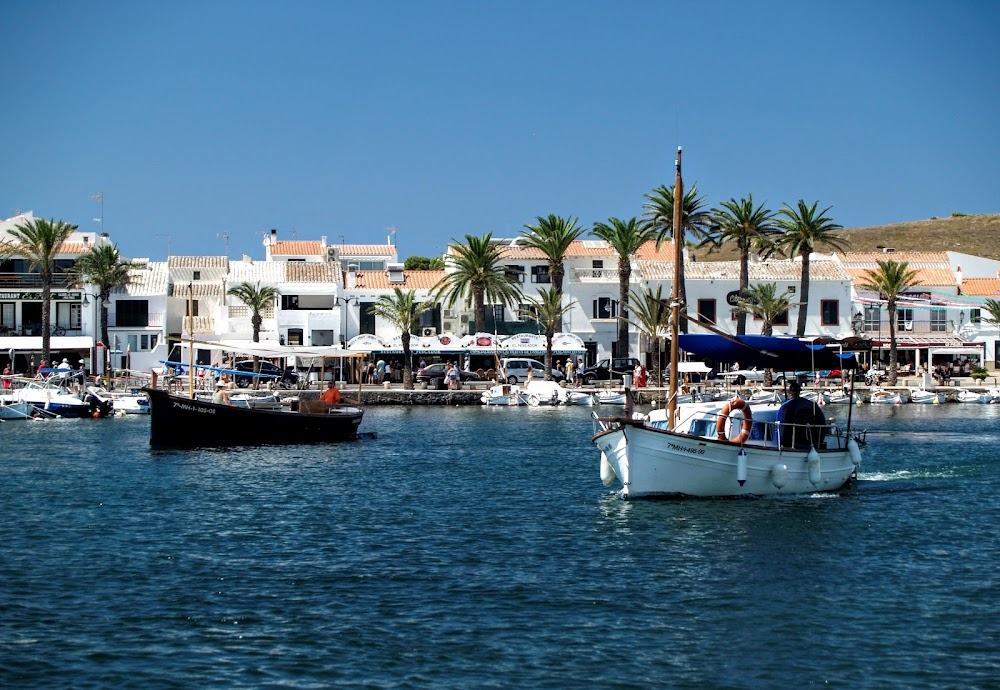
[
  {"x": 190, "y": 341},
  {"x": 675, "y": 302}
]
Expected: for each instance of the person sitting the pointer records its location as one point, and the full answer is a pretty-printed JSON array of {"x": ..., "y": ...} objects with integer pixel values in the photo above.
[
  {"x": 331, "y": 396},
  {"x": 221, "y": 396},
  {"x": 802, "y": 422}
]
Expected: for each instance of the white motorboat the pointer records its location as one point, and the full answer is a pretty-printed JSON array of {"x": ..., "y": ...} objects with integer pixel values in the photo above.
[
  {"x": 922, "y": 396},
  {"x": 542, "y": 393},
  {"x": 844, "y": 397},
  {"x": 17, "y": 411},
  {"x": 981, "y": 397},
  {"x": 131, "y": 403},
  {"x": 820, "y": 397},
  {"x": 746, "y": 460},
  {"x": 727, "y": 448},
  {"x": 504, "y": 394},
  {"x": 883, "y": 397},
  {"x": 761, "y": 397},
  {"x": 609, "y": 397},
  {"x": 58, "y": 392}
]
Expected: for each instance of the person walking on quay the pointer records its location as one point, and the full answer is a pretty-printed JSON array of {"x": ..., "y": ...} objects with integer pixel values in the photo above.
[
  {"x": 570, "y": 378},
  {"x": 6, "y": 377}
]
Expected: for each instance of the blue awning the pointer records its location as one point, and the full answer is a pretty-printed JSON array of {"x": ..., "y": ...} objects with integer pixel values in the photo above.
[{"x": 780, "y": 354}]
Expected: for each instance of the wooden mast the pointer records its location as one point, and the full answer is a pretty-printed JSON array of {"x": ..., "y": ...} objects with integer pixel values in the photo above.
[
  {"x": 191, "y": 341},
  {"x": 675, "y": 302}
]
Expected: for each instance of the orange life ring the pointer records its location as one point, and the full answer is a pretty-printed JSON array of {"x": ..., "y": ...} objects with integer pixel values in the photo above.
[{"x": 720, "y": 425}]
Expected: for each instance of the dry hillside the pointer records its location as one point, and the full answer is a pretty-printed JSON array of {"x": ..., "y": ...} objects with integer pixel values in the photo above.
[{"x": 976, "y": 235}]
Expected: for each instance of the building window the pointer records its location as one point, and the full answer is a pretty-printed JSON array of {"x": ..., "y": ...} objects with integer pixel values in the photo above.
[
  {"x": 598, "y": 266},
  {"x": 371, "y": 265},
  {"x": 939, "y": 322},
  {"x": 366, "y": 321},
  {"x": 873, "y": 317},
  {"x": 197, "y": 275},
  {"x": 780, "y": 319},
  {"x": 498, "y": 315},
  {"x": 68, "y": 315},
  {"x": 830, "y": 310},
  {"x": 540, "y": 274},
  {"x": 7, "y": 315},
  {"x": 134, "y": 313},
  {"x": 706, "y": 311},
  {"x": 526, "y": 311},
  {"x": 904, "y": 319},
  {"x": 289, "y": 302},
  {"x": 514, "y": 273},
  {"x": 294, "y": 336},
  {"x": 605, "y": 308},
  {"x": 975, "y": 316}
]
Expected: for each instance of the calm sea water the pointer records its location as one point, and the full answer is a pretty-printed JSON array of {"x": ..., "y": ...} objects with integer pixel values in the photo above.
[{"x": 469, "y": 547}]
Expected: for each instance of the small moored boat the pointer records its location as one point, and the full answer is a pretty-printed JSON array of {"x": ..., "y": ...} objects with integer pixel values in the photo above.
[{"x": 182, "y": 421}]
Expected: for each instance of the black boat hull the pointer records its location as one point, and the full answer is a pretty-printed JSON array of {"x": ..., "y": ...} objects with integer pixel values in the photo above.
[{"x": 180, "y": 422}]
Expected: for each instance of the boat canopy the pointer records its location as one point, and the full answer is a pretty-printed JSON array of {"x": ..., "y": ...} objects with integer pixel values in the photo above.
[{"x": 783, "y": 354}]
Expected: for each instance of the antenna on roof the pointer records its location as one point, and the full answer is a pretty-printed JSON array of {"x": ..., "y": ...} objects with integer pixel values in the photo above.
[{"x": 224, "y": 236}]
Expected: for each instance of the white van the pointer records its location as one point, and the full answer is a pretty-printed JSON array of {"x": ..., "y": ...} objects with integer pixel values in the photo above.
[{"x": 516, "y": 369}]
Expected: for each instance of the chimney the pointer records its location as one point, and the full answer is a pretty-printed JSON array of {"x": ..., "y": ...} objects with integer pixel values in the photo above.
[
  {"x": 322, "y": 241},
  {"x": 351, "y": 279},
  {"x": 274, "y": 235}
]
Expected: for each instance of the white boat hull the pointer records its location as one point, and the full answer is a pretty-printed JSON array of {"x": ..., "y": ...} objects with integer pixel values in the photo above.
[{"x": 653, "y": 462}]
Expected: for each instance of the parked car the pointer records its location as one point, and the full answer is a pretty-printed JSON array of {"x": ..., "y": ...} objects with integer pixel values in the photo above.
[
  {"x": 609, "y": 369},
  {"x": 438, "y": 371},
  {"x": 286, "y": 378},
  {"x": 516, "y": 370},
  {"x": 742, "y": 376}
]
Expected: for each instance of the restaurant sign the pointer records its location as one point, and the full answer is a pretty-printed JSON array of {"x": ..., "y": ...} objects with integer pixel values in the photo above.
[{"x": 61, "y": 296}]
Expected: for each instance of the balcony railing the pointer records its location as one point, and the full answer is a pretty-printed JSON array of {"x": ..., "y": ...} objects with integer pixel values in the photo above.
[
  {"x": 33, "y": 281},
  {"x": 909, "y": 327}
]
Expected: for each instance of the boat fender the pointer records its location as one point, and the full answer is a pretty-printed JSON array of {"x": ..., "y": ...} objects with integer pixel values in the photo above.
[
  {"x": 741, "y": 467},
  {"x": 812, "y": 462},
  {"x": 855, "y": 452},
  {"x": 607, "y": 471},
  {"x": 779, "y": 475},
  {"x": 720, "y": 425}
]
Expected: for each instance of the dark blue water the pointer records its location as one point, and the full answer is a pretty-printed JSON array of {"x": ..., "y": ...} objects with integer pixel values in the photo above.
[{"x": 471, "y": 547}]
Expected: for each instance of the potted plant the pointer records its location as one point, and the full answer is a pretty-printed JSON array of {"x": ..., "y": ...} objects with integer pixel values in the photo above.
[{"x": 979, "y": 373}]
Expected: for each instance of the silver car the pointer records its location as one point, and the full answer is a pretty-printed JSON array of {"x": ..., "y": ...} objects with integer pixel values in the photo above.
[{"x": 516, "y": 369}]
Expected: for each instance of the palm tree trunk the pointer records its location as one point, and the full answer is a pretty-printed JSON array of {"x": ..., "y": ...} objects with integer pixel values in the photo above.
[
  {"x": 800, "y": 329},
  {"x": 46, "y": 319},
  {"x": 557, "y": 271},
  {"x": 624, "y": 277},
  {"x": 741, "y": 317},
  {"x": 407, "y": 362},
  {"x": 892, "y": 343},
  {"x": 479, "y": 304},
  {"x": 548, "y": 353}
]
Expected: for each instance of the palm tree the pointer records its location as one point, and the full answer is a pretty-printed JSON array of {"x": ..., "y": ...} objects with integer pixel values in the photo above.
[
  {"x": 548, "y": 312},
  {"x": 39, "y": 240},
  {"x": 803, "y": 229},
  {"x": 403, "y": 311},
  {"x": 552, "y": 236},
  {"x": 625, "y": 237},
  {"x": 651, "y": 315},
  {"x": 104, "y": 268},
  {"x": 890, "y": 280},
  {"x": 750, "y": 229},
  {"x": 763, "y": 302},
  {"x": 659, "y": 207},
  {"x": 992, "y": 307},
  {"x": 258, "y": 299},
  {"x": 478, "y": 273}
]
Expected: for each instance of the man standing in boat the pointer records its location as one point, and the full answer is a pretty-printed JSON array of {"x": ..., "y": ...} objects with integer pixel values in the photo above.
[{"x": 801, "y": 421}]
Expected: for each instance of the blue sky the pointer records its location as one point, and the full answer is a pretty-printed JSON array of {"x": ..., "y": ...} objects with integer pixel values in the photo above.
[{"x": 443, "y": 119}]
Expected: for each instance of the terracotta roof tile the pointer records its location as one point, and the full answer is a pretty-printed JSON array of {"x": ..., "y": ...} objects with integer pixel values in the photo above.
[
  {"x": 198, "y": 262},
  {"x": 760, "y": 271},
  {"x": 149, "y": 281},
  {"x": 264, "y": 272},
  {"x": 366, "y": 249},
  {"x": 915, "y": 259},
  {"x": 933, "y": 276},
  {"x": 412, "y": 280},
  {"x": 981, "y": 287},
  {"x": 313, "y": 272},
  {"x": 297, "y": 248}
]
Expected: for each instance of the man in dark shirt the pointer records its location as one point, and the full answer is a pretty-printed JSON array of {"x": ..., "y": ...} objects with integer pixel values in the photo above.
[{"x": 803, "y": 423}]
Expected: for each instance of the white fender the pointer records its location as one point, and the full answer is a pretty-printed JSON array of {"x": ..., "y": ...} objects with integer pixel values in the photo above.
[
  {"x": 812, "y": 461},
  {"x": 741, "y": 467},
  {"x": 607, "y": 471},
  {"x": 855, "y": 452},
  {"x": 779, "y": 474}
]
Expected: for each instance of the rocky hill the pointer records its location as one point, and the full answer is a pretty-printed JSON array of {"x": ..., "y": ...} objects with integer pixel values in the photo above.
[{"x": 976, "y": 235}]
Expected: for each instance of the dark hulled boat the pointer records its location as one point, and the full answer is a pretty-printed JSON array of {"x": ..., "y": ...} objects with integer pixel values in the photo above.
[{"x": 180, "y": 421}]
